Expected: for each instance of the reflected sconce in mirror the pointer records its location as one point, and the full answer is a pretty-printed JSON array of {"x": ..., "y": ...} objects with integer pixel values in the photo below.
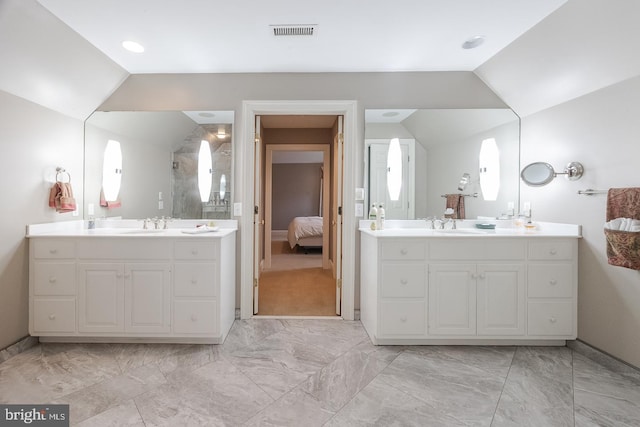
[
  {"x": 223, "y": 186},
  {"x": 112, "y": 171},
  {"x": 394, "y": 169},
  {"x": 489, "y": 169},
  {"x": 205, "y": 171},
  {"x": 540, "y": 173}
]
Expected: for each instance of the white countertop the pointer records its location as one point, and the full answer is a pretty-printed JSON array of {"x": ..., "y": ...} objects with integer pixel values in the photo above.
[
  {"x": 467, "y": 229},
  {"x": 130, "y": 229}
]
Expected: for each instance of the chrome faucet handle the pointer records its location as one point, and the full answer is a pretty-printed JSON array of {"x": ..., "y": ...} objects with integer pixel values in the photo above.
[
  {"x": 156, "y": 222},
  {"x": 453, "y": 227},
  {"x": 165, "y": 222},
  {"x": 145, "y": 223}
]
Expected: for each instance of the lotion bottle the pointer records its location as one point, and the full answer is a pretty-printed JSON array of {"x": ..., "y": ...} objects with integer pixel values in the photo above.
[
  {"x": 381, "y": 217},
  {"x": 373, "y": 212}
]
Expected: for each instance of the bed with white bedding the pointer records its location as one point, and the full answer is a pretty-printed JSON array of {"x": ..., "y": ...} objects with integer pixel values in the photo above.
[{"x": 305, "y": 231}]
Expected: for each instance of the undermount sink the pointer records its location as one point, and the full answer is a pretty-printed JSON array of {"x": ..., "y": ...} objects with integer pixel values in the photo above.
[
  {"x": 459, "y": 231},
  {"x": 143, "y": 231}
]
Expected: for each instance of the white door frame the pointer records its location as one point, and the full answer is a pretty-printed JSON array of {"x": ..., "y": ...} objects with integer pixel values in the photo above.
[{"x": 250, "y": 109}]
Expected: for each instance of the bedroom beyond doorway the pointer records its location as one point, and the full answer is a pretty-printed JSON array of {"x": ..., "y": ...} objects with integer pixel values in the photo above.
[{"x": 297, "y": 275}]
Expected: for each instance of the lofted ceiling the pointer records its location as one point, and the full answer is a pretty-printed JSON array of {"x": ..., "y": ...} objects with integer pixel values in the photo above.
[{"x": 215, "y": 36}]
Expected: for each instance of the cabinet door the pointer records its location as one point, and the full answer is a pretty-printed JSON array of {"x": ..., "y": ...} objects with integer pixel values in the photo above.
[
  {"x": 501, "y": 299},
  {"x": 452, "y": 299},
  {"x": 101, "y": 297},
  {"x": 147, "y": 303}
]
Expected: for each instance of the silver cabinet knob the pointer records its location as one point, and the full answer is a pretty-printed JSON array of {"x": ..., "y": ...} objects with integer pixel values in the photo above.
[
  {"x": 53, "y": 251},
  {"x": 403, "y": 251},
  {"x": 194, "y": 318},
  {"x": 553, "y": 319},
  {"x": 553, "y": 282},
  {"x": 52, "y": 317},
  {"x": 404, "y": 281},
  {"x": 553, "y": 252},
  {"x": 52, "y": 279}
]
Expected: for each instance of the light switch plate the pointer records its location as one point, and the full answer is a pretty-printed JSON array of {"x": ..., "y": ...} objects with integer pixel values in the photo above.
[
  {"x": 237, "y": 209},
  {"x": 359, "y": 194},
  {"x": 359, "y": 210},
  {"x": 160, "y": 204}
]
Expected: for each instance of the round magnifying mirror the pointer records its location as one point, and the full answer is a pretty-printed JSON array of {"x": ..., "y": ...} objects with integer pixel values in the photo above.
[{"x": 538, "y": 174}]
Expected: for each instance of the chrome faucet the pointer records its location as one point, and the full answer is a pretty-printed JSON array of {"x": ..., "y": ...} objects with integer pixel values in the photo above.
[
  {"x": 145, "y": 223},
  {"x": 156, "y": 222},
  {"x": 433, "y": 221},
  {"x": 165, "y": 222}
]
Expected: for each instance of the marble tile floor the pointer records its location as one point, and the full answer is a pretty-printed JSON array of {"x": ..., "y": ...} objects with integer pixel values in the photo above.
[{"x": 304, "y": 372}]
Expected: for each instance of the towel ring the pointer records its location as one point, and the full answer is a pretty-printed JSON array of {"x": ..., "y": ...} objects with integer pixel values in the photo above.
[{"x": 60, "y": 171}]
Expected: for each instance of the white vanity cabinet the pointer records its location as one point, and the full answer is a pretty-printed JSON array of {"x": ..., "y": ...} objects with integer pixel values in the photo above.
[
  {"x": 106, "y": 288},
  {"x": 422, "y": 290},
  {"x": 52, "y": 273},
  {"x": 551, "y": 293}
]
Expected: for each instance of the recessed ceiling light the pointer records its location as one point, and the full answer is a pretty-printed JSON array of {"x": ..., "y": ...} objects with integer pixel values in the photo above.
[
  {"x": 132, "y": 46},
  {"x": 390, "y": 114},
  {"x": 473, "y": 42},
  {"x": 206, "y": 114}
]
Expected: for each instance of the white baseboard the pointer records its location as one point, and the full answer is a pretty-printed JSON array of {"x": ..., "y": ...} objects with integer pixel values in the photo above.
[{"x": 279, "y": 235}]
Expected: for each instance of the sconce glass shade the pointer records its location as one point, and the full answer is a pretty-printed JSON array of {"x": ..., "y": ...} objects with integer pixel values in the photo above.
[
  {"x": 112, "y": 171},
  {"x": 489, "y": 169},
  {"x": 394, "y": 169},
  {"x": 223, "y": 186},
  {"x": 205, "y": 171}
]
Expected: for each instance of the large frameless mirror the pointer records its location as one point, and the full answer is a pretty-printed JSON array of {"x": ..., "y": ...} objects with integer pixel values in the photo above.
[
  {"x": 161, "y": 156},
  {"x": 438, "y": 147}
]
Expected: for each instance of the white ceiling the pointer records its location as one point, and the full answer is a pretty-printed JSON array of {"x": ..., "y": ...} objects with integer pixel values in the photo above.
[{"x": 205, "y": 36}]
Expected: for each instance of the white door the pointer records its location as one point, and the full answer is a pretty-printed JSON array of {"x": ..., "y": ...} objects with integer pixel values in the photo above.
[
  {"x": 452, "y": 299},
  {"x": 501, "y": 299},
  {"x": 147, "y": 303},
  {"x": 257, "y": 212},
  {"x": 101, "y": 297},
  {"x": 338, "y": 159},
  {"x": 378, "y": 192}
]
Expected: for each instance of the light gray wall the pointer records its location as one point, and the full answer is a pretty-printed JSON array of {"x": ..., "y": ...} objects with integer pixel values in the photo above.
[
  {"x": 296, "y": 192},
  {"x": 46, "y": 62},
  {"x": 575, "y": 80},
  {"x": 33, "y": 142},
  {"x": 601, "y": 131}
]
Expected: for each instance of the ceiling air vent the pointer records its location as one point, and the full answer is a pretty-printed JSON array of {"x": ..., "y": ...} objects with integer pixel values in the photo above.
[{"x": 293, "y": 30}]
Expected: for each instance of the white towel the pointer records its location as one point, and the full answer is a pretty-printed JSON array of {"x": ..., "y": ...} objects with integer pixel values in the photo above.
[{"x": 623, "y": 224}]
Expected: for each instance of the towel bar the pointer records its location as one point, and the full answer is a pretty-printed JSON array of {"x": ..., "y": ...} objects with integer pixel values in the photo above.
[
  {"x": 592, "y": 192},
  {"x": 62, "y": 171}
]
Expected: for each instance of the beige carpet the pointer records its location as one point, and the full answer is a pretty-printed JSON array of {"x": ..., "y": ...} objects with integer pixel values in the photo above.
[{"x": 301, "y": 292}]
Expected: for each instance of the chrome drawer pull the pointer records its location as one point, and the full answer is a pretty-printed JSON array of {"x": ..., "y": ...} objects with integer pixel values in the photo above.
[{"x": 53, "y": 251}]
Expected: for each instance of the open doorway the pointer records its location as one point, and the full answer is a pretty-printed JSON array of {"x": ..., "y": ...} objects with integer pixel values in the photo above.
[{"x": 297, "y": 266}]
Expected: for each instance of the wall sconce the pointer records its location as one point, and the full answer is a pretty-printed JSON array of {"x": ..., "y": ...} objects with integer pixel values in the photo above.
[
  {"x": 205, "y": 171},
  {"x": 489, "y": 169},
  {"x": 394, "y": 169},
  {"x": 540, "y": 173},
  {"x": 222, "y": 134},
  {"x": 223, "y": 186},
  {"x": 112, "y": 171}
]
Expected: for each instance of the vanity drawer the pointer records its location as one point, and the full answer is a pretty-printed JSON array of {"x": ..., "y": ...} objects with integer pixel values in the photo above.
[
  {"x": 194, "y": 279},
  {"x": 54, "y": 315},
  {"x": 405, "y": 249},
  {"x": 477, "y": 249},
  {"x": 399, "y": 318},
  {"x": 550, "y": 318},
  {"x": 403, "y": 280},
  {"x": 194, "y": 317},
  {"x": 551, "y": 249},
  {"x": 54, "y": 248},
  {"x": 550, "y": 281},
  {"x": 141, "y": 248},
  {"x": 54, "y": 278},
  {"x": 195, "y": 250}
]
